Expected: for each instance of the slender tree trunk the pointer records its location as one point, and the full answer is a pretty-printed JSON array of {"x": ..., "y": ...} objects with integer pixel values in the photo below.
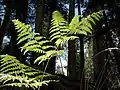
[
  {"x": 39, "y": 16},
  {"x": 100, "y": 65},
  {"x": 21, "y": 7},
  {"x": 82, "y": 78},
  {"x": 82, "y": 84},
  {"x": 3, "y": 27},
  {"x": 71, "y": 46}
]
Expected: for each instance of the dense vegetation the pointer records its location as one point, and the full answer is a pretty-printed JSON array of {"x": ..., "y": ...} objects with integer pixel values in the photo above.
[{"x": 34, "y": 35}]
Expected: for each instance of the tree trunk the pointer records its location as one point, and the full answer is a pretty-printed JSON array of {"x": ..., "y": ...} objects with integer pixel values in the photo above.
[
  {"x": 21, "y": 7},
  {"x": 82, "y": 78},
  {"x": 21, "y": 10},
  {"x": 39, "y": 16},
  {"x": 71, "y": 46},
  {"x": 3, "y": 27},
  {"x": 100, "y": 65}
]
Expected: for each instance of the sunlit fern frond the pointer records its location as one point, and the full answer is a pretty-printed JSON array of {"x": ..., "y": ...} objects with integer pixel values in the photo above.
[
  {"x": 21, "y": 81},
  {"x": 74, "y": 26},
  {"x": 25, "y": 34},
  {"x": 48, "y": 55},
  {"x": 59, "y": 30},
  {"x": 14, "y": 73},
  {"x": 35, "y": 42},
  {"x": 24, "y": 31},
  {"x": 84, "y": 25}
]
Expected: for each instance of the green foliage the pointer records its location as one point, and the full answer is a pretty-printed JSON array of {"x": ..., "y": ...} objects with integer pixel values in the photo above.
[
  {"x": 35, "y": 43},
  {"x": 61, "y": 32},
  {"x": 84, "y": 25},
  {"x": 14, "y": 73}
]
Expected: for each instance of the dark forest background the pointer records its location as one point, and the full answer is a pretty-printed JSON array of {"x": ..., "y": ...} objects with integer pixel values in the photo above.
[{"x": 93, "y": 60}]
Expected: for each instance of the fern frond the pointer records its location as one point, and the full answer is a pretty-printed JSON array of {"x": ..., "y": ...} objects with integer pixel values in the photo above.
[
  {"x": 14, "y": 73},
  {"x": 63, "y": 40},
  {"x": 36, "y": 43},
  {"x": 58, "y": 24},
  {"x": 59, "y": 30},
  {"x": 22, "y": 35},
  {"x": 84, "y": 26},
  {"x": 24, "y": 38},
  {"x": 75, "y": 21},
  {"x": 48, "y": 55},
  {"x": 31, "y": 42},
  {"x": 8, "y": 62},
  {"x": 9, "y": 80}
]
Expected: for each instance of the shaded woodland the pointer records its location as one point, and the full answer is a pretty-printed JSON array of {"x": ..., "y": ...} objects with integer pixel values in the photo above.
[{"x": 91, "y": 40}]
